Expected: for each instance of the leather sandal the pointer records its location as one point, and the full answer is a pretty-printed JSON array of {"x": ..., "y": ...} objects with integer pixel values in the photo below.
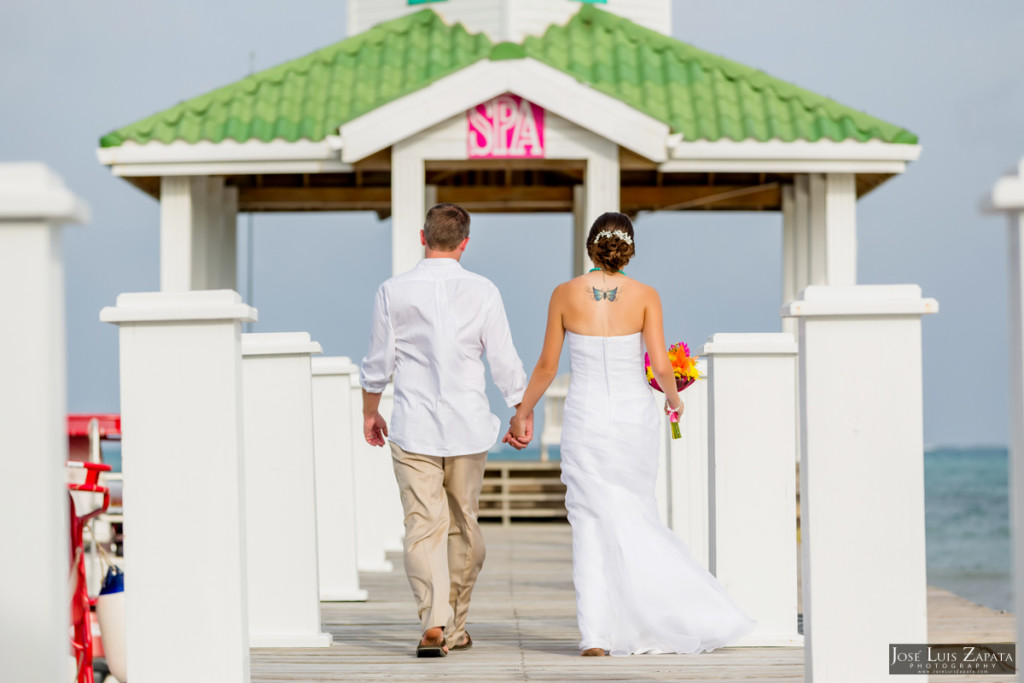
[
  {"x": 432, "y": 649},
  {"x": 594, "y": 652},
  {"x": 464, "y": 645}
]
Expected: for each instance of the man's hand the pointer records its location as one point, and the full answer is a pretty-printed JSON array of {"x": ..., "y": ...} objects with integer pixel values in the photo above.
[
  {"x": 374, "y": 429},
  {"x": 520, "y": 431},
  {"x": 511, "y": 441}
]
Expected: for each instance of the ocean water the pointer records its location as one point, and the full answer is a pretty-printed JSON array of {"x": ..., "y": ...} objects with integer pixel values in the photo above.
[{"x": 967, "y": 520}]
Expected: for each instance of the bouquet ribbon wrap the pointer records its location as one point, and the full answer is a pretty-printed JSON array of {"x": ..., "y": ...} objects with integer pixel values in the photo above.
[{"x": 673, "y": 417}]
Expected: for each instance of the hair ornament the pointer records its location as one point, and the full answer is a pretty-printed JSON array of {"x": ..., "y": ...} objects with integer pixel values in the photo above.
[{"x": 621, "y": 234}]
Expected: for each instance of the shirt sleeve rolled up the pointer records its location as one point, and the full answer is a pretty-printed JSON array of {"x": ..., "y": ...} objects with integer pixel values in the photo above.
[{"x": 379, "y": 363}]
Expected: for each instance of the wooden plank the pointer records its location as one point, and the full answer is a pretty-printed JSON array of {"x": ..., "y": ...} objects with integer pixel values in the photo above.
[
  {"x": 508, "y": 198},
  {"x": 699, "y": 197},
  {"x": 513, "y": 465},
  {"x": 531, "y": 496},
  {"x": 314, "y": 198}
]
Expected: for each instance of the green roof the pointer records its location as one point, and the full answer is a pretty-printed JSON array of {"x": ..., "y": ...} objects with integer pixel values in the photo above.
[
  {"x": 310, "y": 97},
  {"x": 701, "y": 95}
]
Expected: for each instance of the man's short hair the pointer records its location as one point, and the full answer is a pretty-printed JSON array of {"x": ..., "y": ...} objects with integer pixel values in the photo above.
[{"x": 446, "y": 226}]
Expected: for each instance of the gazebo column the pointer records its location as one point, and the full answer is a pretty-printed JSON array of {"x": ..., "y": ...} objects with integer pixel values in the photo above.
[
  {"x": 833, "y": 229},
  {"x": 819, "y": 234},
  {"x": 801, "y": 266},
  {"x": 580, "y": 260},
  {"x": 789, "y": 253},
  {"x": 223, "y": 259},
  {"x": 598, "y": 194},
  {"x": 408, "y": 198},
  {"x": 33, "y": 418},
  {"x": 861, "y": 476},
  {"x": 197, "y": 233}
]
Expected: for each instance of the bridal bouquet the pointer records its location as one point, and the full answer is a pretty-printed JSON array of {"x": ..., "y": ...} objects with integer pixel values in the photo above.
[{"x": 684, "y": 367}]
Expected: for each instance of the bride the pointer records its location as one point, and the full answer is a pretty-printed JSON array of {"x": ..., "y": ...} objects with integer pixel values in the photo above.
[{"x": 638, "y": 588}]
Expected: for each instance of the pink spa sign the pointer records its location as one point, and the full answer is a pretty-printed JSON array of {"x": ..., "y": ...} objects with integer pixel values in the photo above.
[{"x": 507, "y": 127}]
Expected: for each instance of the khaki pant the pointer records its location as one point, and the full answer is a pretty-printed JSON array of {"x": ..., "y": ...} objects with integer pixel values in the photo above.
[{"x": 444, "y": 547}]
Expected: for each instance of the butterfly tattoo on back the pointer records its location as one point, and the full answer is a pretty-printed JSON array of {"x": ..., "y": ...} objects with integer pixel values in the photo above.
[{"x": 604, "y": 293}]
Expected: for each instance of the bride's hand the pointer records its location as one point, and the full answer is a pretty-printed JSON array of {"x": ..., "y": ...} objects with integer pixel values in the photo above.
[
  {"x": 668, "y": 409},
  {"x": 512, "y": 441},
  {"x": 522, "y": 428}
]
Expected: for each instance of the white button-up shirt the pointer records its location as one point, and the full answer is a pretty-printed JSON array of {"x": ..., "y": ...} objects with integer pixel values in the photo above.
[{"x": 430, "y": 329}]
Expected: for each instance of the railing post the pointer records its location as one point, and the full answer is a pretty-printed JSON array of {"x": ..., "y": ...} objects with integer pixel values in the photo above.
[
  {"x": 861, "y": 476},
  {"x": 33, "y": 420},
  {"x": 184, "y": 495},
  {"x": 752, "y": 442},
  {"x": 391, "y": 501},
  {"x": 371, "y": 467},
  {"x": 335, "y": 485},
  {"x": 280, "y": 489},
  {"x": 1007, "y": 197}
]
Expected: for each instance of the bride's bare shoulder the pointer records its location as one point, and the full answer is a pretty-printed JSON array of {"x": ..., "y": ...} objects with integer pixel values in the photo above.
[
  {"x": 641, "y": 288},
  {"x": 570, "y": 284}
]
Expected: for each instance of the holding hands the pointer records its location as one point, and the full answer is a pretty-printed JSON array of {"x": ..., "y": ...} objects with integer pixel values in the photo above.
[{"x": 520, "y": 431}]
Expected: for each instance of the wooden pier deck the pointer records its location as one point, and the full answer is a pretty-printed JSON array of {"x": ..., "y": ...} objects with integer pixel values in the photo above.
[{"x": 523, "y": 622}]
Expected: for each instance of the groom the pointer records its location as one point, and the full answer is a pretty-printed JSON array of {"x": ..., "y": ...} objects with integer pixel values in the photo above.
[{"x": 430, "y": 327}]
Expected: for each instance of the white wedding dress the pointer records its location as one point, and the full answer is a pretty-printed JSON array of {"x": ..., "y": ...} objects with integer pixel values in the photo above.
[{"x": 638, "y": 587}]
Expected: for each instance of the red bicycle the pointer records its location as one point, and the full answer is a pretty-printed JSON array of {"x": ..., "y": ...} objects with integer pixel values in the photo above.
[{"x": 81, "y": 621}]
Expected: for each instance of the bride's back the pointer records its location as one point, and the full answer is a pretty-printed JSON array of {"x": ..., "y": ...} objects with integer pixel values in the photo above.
[{"x": 600, "y": 304}]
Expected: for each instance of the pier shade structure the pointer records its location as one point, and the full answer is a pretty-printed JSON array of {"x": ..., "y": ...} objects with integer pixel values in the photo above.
[{"x": 583, "y": 107}]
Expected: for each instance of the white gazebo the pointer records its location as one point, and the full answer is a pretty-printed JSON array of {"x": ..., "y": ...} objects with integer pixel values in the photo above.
[
  {"x": 507, "y": 107},
  {"x": 582, "y": 107}
]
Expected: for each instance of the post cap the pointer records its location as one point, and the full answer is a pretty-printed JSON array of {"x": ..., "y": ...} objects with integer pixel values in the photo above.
[
  {"x": 31, "y": 191},
  {"x": 1008, "y": 192},
  {"x": 782, "y": 343},
  {"x": 211, "y": 304},
  {"x": 279, "y": 344},
  {"x": 859, "y": 300},
  {"x": 334, "y": 365}
]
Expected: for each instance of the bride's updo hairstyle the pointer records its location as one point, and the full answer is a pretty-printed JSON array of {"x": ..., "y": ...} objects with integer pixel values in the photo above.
[{"x": 610, "y": 243}]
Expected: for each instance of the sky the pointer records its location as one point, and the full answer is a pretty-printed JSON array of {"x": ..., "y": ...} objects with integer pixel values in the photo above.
[{"x": 948, "y": 71}]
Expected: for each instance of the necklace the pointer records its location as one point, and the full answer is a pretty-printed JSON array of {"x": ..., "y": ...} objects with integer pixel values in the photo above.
[{"x": 621, "y": 272}]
